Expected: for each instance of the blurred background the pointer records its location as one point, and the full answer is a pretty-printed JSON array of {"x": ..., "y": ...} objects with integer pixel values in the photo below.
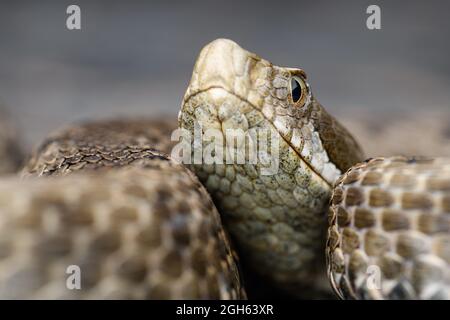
[{"x": 132, "y": 58}]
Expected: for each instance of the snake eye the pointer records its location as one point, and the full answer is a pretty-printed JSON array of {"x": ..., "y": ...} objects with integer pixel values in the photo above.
[
  {"x": 299, "y": 90},
  {"x": 296, "y": 89}
]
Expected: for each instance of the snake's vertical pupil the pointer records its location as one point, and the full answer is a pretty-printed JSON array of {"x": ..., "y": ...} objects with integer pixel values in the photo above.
[{"x": 296, "y": 90}]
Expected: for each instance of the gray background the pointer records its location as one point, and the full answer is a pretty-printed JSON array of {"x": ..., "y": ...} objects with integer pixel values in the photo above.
[{"x": 135, "y": 57}]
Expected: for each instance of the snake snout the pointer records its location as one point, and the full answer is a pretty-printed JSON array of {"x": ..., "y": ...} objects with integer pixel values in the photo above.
[
  {"x": 214, "y": 67},
  {"x": 223, "y": 64}
]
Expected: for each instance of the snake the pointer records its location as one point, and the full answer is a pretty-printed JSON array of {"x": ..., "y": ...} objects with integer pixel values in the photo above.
[{"x": 132, "y": 210}]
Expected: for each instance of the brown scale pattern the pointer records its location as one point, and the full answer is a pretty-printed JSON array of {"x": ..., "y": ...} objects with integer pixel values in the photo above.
[
  {"x": 342, "y": 149},
  {"x": 147, "y": 230},
  {"x": 391, "y": 217},
  {"x": 99, "y": 145}
]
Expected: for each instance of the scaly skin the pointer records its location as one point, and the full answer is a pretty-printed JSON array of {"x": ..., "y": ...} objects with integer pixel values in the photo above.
[
  {"x": 278, "y": 221},
  {"x": 389, "y": 234},
  {"x": 139, "y": 225},
  {"x": 100, "y": 145}
]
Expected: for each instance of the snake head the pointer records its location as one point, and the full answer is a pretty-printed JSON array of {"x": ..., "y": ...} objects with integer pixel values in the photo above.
[
  {"x": 240, "y": 83},
  {"x": 223, "y": 64}
]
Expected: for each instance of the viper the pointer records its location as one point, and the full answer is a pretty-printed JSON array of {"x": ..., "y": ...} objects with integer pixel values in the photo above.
[{"x": 114, "y": 198}]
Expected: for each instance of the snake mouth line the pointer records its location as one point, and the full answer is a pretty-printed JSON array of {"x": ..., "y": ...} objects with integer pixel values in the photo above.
[{"x": 186, "y": 99}]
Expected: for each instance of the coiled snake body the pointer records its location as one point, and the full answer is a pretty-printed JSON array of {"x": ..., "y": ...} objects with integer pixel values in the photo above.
[{"x": 115, "y": 203}]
